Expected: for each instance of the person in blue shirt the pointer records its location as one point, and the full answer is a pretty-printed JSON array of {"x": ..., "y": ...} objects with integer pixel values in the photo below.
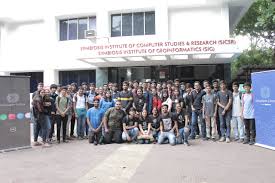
[
  {"x": 107, "y": 101},
  {"x": 94, "y": 121}
]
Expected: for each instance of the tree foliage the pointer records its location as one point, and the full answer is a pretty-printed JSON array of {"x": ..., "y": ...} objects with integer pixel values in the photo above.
[{"x": 258, "y": 24}]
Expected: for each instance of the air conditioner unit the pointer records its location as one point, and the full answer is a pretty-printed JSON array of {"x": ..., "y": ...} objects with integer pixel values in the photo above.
[{"x": 90, "y": 33}]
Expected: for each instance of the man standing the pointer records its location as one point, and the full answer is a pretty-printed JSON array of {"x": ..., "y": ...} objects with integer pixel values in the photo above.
[
  {"x": 224, "y": 97},
  {"x": 248, "y": 115},
  {"x": 62, "y": 106},
  {"x": 215, "y": 90},
  {"x": 167, "y": 127},
  {"x": 80, "y": 108},
  {"x": 39, "y": 88},
  {"x": 113, "y": 123},
  {"x": 126, "y": 97},
  {"x": 91, "y": 95},
  {"x": 196, "y": 105},
  {"x": 94, "y": 120},
  {"x": 237, "y": 122},
  {"x": 53, "y": 94},
  {"x": 209, "y": 112}
]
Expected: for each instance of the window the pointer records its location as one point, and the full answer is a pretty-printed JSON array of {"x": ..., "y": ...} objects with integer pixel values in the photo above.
[
  {"x": 127, "y": 24},
  {"x": 138, "y": 23},
  {"x": 149, "y": 23},
  {"x": 116, "y": 25},
  {"x": 73, "y": 29},
  {"x": 63, "y": 24},
  {"x": 130, "y": 24},
  {"x": 82, "y": 26}
]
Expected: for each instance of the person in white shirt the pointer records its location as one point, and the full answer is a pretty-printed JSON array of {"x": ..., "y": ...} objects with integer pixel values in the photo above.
[
  {"x": 248, "y": 115},
  {"x": 80, "y": 108},
  {"x": 237, "y": 122}
]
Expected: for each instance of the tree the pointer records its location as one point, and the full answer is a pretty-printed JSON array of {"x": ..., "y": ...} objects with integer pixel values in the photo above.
[{"x": 258, "y": 24}]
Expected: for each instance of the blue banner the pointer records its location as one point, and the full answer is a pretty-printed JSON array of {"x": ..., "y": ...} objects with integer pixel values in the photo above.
[{"x": 264, "y": 101}]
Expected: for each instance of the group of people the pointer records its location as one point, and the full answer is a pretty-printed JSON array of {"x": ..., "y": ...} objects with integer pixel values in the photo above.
[{"x": 144, "y": 112}]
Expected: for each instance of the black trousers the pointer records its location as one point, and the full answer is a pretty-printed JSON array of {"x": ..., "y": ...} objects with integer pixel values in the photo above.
[
  {"x": 113, "y": 136},
  {"x": 94, "y": 136},
  {"x": 61, "y": 121},
  {"x": 250, "y": 129},
  {"x": 72, "y": 125}
]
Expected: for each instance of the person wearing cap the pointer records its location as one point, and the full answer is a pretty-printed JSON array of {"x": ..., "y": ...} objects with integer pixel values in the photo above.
[
  {"x": 130, "y": 123},
  {"x": 94, "y": 121},
  {"x": 168, "y": 127},
  {"x": 248, "y": 115}
]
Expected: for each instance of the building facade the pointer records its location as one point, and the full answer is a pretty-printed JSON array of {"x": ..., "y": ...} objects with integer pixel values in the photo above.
[{"x": 126, "y": 40}]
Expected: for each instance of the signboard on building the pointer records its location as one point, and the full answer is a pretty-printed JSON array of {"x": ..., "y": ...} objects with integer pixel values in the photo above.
[
  {"x": 160, "y": 48},
  {"x": 264, "y": 101},
  {"x": 14, "y": 112}
]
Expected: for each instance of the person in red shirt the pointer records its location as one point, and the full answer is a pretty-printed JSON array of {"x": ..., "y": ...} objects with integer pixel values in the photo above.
[{"x": 156, "y": 100}]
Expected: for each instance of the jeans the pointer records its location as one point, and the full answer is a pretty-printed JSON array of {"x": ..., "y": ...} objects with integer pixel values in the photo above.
[
  {"x": 133, "y": 133},
  {"x": 184, "y": 133},
  {"x": 37, "y": 126},
  {"x": 46, "y": 127},
  {"x": 195, "y": 116},
  {"x": 167, "y": 135},
  {"x": 250, "y": 129},
  {"x": 155, "y": 134},
  {"x": 225, "y": 124},
  {"x": 238, "y": 127},
  {"x": 61, "y": 121},
  {"x": 81, "y": 120}
]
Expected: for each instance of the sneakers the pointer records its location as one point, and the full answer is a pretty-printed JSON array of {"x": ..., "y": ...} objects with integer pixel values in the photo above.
[
  {"x": 236, "y": 139},
  {"x": 222, "y": 139},
  {"x": 252, "y": 142},
  {"x": 95, "y": 143},
  {"x": 197, "y": 137},
  {"x": 227, "y": 140},
  {"x": 241, "y": 141},
  {"x": 46, "y": 145},
  {"x": 186, "y": 143},
  {"x": 245, "y": 141},
  {"x": 37, "y": 144}
]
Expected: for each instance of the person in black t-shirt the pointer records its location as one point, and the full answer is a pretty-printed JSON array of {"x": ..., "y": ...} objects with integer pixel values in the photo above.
[
  {"x": 145, "y": 133},
  {"x": 130, "y": 123},
  {"x": 155, "y": 118},
  {"x": 167, "y": 127},
  {"x": 139, "y": 101},
  {"x": 196, "y": 105},
  {"x": 181, "y": 118}
]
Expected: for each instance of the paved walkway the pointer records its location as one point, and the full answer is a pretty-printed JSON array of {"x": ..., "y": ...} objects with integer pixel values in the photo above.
[{"x": 80, "y": 162}]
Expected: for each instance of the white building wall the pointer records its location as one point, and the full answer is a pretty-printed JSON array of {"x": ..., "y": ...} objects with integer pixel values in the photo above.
[{"x": 30, "y": 35}]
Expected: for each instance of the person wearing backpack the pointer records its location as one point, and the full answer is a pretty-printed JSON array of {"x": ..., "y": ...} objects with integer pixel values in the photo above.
[
  {"x": 237, "y": 122},
  {"x": 248, "y": 115},
  {"x": 62, "y": 107},
  {"x": 80, "y": 106}
]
